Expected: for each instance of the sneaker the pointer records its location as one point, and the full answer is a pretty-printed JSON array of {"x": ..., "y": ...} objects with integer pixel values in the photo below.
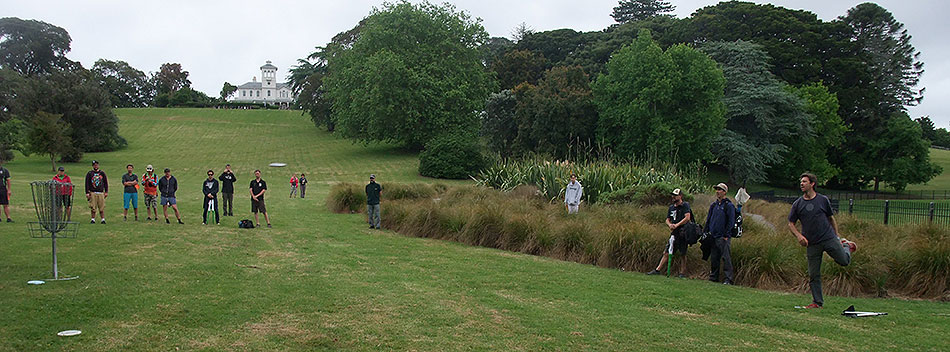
[
  {"x": 853, "y": 247},
  {"x": 93, "y": 221},
  {"x": 180, "y": 223},
  {"x": 268, "y": 226},
  {"x": 371, "y": 227},
  {"x": 654, "y": 272},
  {"x": 727, "y": 283},
  {"x": 148, "y": 218},
  {"x": 167, "y": 222},
  {"x": 204, "y": 223},
  {"x": 125, "y": 218},
  {"x": 813, "y": 306},
  {"x": 103, "y": 221},
  {"x": 136, "y": 218},
  {"x": 9, "y": 220},
  {"x": 681, "y": 276}
]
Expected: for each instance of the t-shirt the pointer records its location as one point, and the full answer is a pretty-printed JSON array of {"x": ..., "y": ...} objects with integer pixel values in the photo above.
[
  {"x": 303, "y": 181},
  {"x": 227, "y": 182},
  {"x": 257, "y": 187},
  {"x": 126, "y": 177},
  {"x": 678, "y": 212},
  {"x": 293, "y": 181},
  {"x": 814, "y": 215},
  {"x": 4, "y": 178},
  {"x": 96, "y": 181},
  {"x": 151, "y": 184},
  {"x": 373, "y": 190}
]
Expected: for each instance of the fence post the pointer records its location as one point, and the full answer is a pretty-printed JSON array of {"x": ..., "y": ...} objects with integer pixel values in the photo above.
[
  {"x": 851, "y": 206},
  {"x": 887, "y": 210},
  {"x": 932, "y": 212}
]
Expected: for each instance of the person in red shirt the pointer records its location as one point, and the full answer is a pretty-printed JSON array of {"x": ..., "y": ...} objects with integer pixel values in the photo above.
[
  {"x": 64, "y": 192},
  {"x": 150, "y": 183},
  {"x": 293, "y": 185}
]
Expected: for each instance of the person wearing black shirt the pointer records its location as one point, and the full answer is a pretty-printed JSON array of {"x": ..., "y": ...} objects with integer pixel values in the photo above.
[
  {"x": 131, "y": 193},
  {"x": 210, "y": 190},
  {"x": 678, "y": 215},
  {"x": 258, "y": 187},
  {"x": 97, "y": 189},
  {"x": 227, "y": 189},
  {"x": 5, "y": 191},
  {"x": 167, "y": 186},
  {"x": 303, "y": 185},
  {"x": 373, "y": 192}
]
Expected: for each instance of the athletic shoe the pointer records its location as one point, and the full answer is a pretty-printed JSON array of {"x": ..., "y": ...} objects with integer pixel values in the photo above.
[
  {"x": 167, "y": 222},
  {"x": 813, "y": 306},
  {"x": 681, "y": 276},
  {"x": 148, "y": 218},
  {"x": 853, "y": 247},
  {"x": 654, "y": 272},
  {"x": 180, "y": 223},
  {"x": 125, "y": 218},
  {"x": 9, "y": 220},
  {"x": 136, "y": 218},
  {"x": 268, "y": 226},
  {"x": 727, "y": 283},
  {"x": 204, "y": 223},
  {"x": 103, "y": 221},
  {"x": 93, "y": 221}
]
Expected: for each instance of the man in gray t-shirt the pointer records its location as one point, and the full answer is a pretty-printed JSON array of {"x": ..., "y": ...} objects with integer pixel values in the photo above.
[{"x": 819, "y": 234}]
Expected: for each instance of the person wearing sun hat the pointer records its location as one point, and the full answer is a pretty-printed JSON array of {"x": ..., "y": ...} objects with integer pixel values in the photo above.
[{"x": 719, "y": 223}]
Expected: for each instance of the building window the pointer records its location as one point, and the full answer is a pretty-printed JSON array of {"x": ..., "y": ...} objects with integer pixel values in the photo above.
[
  {"x": 258, "y": 93},
  {"x": 243, "y": 93},
  {"x": 268, "y": 93}
]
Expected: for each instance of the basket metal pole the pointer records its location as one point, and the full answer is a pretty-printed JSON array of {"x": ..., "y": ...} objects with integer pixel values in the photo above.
[{"x": 55, "y": 266}]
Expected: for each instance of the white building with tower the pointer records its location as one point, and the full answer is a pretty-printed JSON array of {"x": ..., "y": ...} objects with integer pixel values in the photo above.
[{"x": 267, "y": 91}]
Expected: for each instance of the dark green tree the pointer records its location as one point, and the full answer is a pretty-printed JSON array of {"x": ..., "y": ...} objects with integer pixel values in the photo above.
[
  {"x": 655, "y": 102},
  {"x": 49, "y": 135},
  {"x": 33, "y": 47},
  {"x": 556, "y": 113},
  {"x": 927, "y": 128},
  {"x": 129, "y": 87},
  {"x": 499, "y": 126},
  {"x": 413, "y": 72},
  {"x": 519, "y": 66},
  {"x": 811, "y": 152},
  {"x": 762, "y": 116},
  {"x": 638, "y": 10},
  {"x": 170, "y": 78},
  {"x": 227, "y": 90}
]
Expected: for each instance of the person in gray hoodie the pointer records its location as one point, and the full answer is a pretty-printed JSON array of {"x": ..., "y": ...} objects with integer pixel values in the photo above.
[{"x": 572, "y": 195}]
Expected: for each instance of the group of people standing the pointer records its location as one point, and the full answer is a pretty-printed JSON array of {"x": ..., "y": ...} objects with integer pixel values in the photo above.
[{"x": 298, "y": 183}]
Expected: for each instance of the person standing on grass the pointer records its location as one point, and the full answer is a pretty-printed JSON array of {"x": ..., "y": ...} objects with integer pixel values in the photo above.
[
  {"x": 227, "y": 179},
  {"x": 6, "y": 191},
  {"x": 374, "y": 192},
  {"x": 131, "y": 193},
  {"x": 150, "y": 193},
  {"x": 719, "y": 223},
  {"x": 572, "y": 195},
  {"x": 168, "y": 185},
  {"x": 97, "y": 189},
  {"x": 210, "y": 190},
  {"x": 678, "y": 215},
  {"x": 258, "y": 187},
  {"x": 293, "y": 185},
  {"x": 64, "y": 192},
  {"x": 303, "y": 185},
  {"x": 819, "y": 234}
]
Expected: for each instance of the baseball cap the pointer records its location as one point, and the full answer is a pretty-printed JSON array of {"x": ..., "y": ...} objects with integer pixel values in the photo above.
[
  {"x": 677, "y": 192},
  {"x": 149, "y": 167},
  {"x": 62, "y": 168},
  {"x": 372, "y": 176},
  {"x": 168, "y": 170},
  {"x": 95, "y": 162},
  {"x": 722, "y": 186}
]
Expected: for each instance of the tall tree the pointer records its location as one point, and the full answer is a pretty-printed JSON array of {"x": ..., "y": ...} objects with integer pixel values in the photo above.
[
  {"x": 49, "y": 135},
  {"x": 129, "y": 87},
  {"x": 413, "y": 72},
  {"x": 33, "y": 47},
  {"x": 519, "y": 66},
  {"x": 227, "y": 90},
  {"x": 638, "y": 10},
  {"x": 927, "y": 128},
  {"x": 667, "y": 103},
  {"x": 810, "y": 152},
  {"x": 170, "y": 78},
  {"x": 498, "y": 122},
  {"x": 556, "y": 113},
  {"x": 762, "y": 116}
]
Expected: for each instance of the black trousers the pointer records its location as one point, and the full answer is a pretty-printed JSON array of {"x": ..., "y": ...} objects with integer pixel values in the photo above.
[
  {"x": 303, "y": 191},
  {"x": 227, "y": 198},
  {"x": 217, "y": 217},
  {"x": 720, "y": 251}
]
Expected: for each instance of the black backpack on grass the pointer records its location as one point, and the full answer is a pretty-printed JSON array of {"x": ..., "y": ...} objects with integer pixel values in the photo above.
[{"x": 245, "y": 224}]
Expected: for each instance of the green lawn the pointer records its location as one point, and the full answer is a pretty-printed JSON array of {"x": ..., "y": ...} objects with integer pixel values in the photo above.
[{"x": 323, "y": 281}]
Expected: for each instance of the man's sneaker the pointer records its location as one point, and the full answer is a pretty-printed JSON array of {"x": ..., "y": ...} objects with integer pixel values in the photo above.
[
  {"x": 93, "y": 221},
  {"x": 180, "y": 223},
  {"x": 136, "y": 218},
  {"x": 268, "y": 226},
  {"x": 727, "y": 283},
  {"x": 813, "y": 306},
  {"x": 125, "y": 218},
  {"x": 9, "y": 220},
  {"x": 681, "y": 276},
  {"x": 204, "y": 223},
  {"x": 103, "y": 221},
  {"x": 654, "y": 272},
  {"x": 148, "y": 218},
  {"x": 167, "y": 222},
  {"x": 853, "y": 247}
]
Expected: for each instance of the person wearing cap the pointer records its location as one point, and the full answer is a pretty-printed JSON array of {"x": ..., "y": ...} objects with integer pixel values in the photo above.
[
  {"x": 303, "y": 185},
  {"x": 6, "y": 191},
  {"x": 679, "y": 214},
  {"x": 64, "y": 192},
  {"x": 210, "y": 189},
  {"x": 227, "y": 179},
  {"x": 720, "y": 220},
  {"x": 97, "y": 190},
  {"x": 150, "y": 193},
  {"x": 258, "y": 187},
  {"x": 168, "y": 185},
  {"x": 572, "y": 195},
  {"x": 819, "y": 234},
  {"x": 293, "y": 185},
  {"x": 374, "y": 192},
  {"x": 130, "y": 194}
]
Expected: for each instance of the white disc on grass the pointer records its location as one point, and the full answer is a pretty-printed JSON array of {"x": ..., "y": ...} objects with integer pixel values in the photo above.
[
  {"x": 36, "y": 282},
  {"x": 277, "y": 164},
  {"x": 69, "y": 333}
]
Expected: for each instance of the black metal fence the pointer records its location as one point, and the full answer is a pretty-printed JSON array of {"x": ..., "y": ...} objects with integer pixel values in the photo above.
[{"x": 889, "y": 211}]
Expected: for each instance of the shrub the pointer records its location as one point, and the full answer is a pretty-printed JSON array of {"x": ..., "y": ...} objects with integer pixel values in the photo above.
[
  {"x": 451, "y": 156},
  {"x": 653, "y": 194},
  {"x": 347, "y": 198}
]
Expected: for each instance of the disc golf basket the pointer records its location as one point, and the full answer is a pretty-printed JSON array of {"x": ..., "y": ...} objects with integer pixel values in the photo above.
[{"x": 51, "y": 200}]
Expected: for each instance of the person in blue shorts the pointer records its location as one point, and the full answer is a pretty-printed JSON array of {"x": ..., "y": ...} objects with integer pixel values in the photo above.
[
  {"x": 131, "y": 193},
  {"x": 167, "y": 186}
]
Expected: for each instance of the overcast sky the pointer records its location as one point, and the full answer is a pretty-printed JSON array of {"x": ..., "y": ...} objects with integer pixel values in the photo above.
[{"x": 227, "y": 41}]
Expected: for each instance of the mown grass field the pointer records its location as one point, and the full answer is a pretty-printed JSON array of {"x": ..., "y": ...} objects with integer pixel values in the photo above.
[{"x": 323, "y": 281}]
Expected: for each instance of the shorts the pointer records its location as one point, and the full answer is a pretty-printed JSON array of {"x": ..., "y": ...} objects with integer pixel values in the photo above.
[
  {"x": 3, "y": 197},
  {"x": 679, "y": 243},
  {"x": 168, "y": 200},
  {"x": 64, "y": 200},
  {"x": 151, "y": 200},
  {"x": 97, "y": 201},
  {"x": 257, "y": 206},
  {"x": 132, "y": 198}
]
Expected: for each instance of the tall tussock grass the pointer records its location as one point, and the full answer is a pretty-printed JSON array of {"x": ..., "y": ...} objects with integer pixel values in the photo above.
[{"x": 903, "y": 261}]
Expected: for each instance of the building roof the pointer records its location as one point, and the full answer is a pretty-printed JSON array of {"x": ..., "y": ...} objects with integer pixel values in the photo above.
[
  {"x": 258, "y": 85},
  {"x": 269, "y": 66}
]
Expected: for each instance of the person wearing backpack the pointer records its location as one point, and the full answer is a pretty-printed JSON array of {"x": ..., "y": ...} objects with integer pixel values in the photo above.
[
  {"x": 720, "y": 220},
  {"x": 677, "y": 217}
]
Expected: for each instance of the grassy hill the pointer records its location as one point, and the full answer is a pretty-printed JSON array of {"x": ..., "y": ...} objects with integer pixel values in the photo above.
[{"x": 323, "y": 281}]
